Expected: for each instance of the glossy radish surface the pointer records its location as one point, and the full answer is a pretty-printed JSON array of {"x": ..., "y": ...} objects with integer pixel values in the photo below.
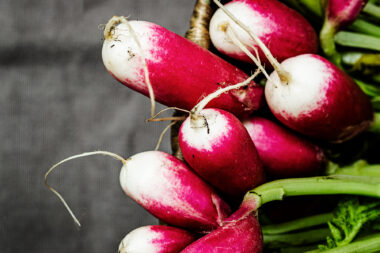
[
  {"x": 284, "y": 31},
  {"x": 242, "y": 235},
  {"x": 156, "y": 239},
  {"x": 282, "y": 151},
  {"x": 218, "y": 147},
  {"x": 171, "y": 191},
  {"x": 319, "y": 100},
  {"x": 179, "y": 70}
]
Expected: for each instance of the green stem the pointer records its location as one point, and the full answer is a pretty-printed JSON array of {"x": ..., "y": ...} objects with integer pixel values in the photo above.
[
  {"x": 307, "y": 6},
  {"x": 358, "y": 168},
  {"x": 294, "y": 239},
  {"x": 366, "y": 27},
  {"x": 350, "y": 39},
  {"x": 375, "y": 127},
  {"x": 372, "y": 10},
  {"x": 366, "y": 244},
  {"x": 327, "y": 185},
  {"x": 326, "y": 37},
  {"x": 359, "y": 59},
  {"x": 298, "y": 224}
]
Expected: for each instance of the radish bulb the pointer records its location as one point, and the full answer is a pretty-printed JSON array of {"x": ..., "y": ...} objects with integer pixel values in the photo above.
[
  {"x": 179, "y": 70},
  {"x": 284, "y": 31},
  {"x": 312, "y": 96},
  {"x": 241, "y": 235},
  {"x": 338, "y": 14},
  {"x": 156, "y": 239},
  {"x": 167, "y": 188},
  {"x": 283, "y": 152},
  {"x": 218, "y": 147}
]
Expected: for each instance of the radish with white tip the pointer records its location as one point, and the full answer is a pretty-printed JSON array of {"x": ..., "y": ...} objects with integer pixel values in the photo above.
[
  {"x": 312, "y": 96},
  {"x": 284, "y": 31},
  {"x": 167, "y": 188},
  {"x": 218, "y": 147},
  {"x": 144, "y": 55},
  {"x": 156, "y": 239}
]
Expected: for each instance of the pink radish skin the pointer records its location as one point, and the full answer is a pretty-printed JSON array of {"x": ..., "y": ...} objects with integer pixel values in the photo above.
[
  {"x": 319, "y": 100},
  {"x": 242, "y": 235},
  {"x": 284, "y": 31},
  {"x": 156, "y": 239},
  {"x": 341, "y": 13},
  {"x": 180, "y": 71},
  {"x": 283, "y": 153},
  {"x": 221, "y": 152},
  {"x": 169, "y": 190}
]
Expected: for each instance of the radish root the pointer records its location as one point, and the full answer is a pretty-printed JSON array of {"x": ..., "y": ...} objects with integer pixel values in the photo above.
[
  {"x": 154, "y": 117},
  {"x": 117, "y": 157},
  {"x": 163, "y": 133},
  {"x": 109, "y": 34},
  {"x": 195, "y": 115},
  {"x": 231, "y": 34},
  {"x": 282, "y": 73}
]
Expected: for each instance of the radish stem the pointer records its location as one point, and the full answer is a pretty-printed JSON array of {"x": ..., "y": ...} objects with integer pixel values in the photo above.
[
  {"x": 283, "y": 74},
  {"x": 350, "y": 39},
  {"x": 298, "y": 224},
  {"x": 327, "y": 185},
  {"x": 294, "y": 239},
  {"x": 366, "y": 244},
  {"x": 372, "y": 10},
  {"x": 366, "y": 27},
  {"x": 116, "y": 156}
]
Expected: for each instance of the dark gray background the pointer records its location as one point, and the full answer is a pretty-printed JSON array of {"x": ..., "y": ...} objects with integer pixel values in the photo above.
[{"x": 56, "y": 100}]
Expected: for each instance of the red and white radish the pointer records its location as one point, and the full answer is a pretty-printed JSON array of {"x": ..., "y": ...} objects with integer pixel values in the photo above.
[
  {"x": 241, "y": 235},
  {"x": 338, "y": 14},
  {"x": 283, "y": 152},
  {"x": 168, "y": 189},
  {"x": 218, "y": 147},
  {"x": 284, "y": 31},
  {"x": 156, "y": 239},
  {"x": 312, "y": 96},
  {"x": 180, "y": 71},
  {"x": 319, "y": 100}
]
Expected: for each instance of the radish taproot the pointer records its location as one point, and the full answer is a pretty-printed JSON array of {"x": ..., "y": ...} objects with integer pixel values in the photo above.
[
  {"x": 283, "y": 152},
  {"x": 284, "y": 31},
  {"x": 179, "y": 70},
  {"x": 312, "y": 96},
  {"x": 241, "y": 235},
  {"x": 167, "y": 188},
  {"x": 218, "y": 147},
  {"x": 156, "y": 239}
]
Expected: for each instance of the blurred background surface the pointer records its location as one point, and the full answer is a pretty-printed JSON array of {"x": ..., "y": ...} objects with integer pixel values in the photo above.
[{"x": 56, "y": 100}]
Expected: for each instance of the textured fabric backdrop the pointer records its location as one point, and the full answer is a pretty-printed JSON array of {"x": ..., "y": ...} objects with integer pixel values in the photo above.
[{"x": 56, "y": 100}]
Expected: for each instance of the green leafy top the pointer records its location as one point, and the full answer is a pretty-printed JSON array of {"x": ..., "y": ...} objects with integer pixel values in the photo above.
[{"x": 350, "y": 216}]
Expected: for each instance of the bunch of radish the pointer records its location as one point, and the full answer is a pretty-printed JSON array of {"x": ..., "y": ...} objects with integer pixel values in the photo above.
[{"x": 237, "y": 135}]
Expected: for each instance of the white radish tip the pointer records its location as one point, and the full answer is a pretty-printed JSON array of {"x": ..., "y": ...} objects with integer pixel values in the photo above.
[{"x": 109, "y": 29}]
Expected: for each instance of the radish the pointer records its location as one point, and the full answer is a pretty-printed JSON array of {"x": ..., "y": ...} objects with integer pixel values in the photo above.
[
  {"x": 168, "y": 189},
  {"x": 338, "y": 14},
  {"x": 284, "y": 31},
  {"x": 156, "y": 239},
  {"x": 312, "y": 96},
  {"x": 180, "y": 71},
  {"x": 283, "y": 153},
  {"x": 218, "y": 147},
  {"x": 239, "y": 235},
  {"x": 319, "y": 100}
]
